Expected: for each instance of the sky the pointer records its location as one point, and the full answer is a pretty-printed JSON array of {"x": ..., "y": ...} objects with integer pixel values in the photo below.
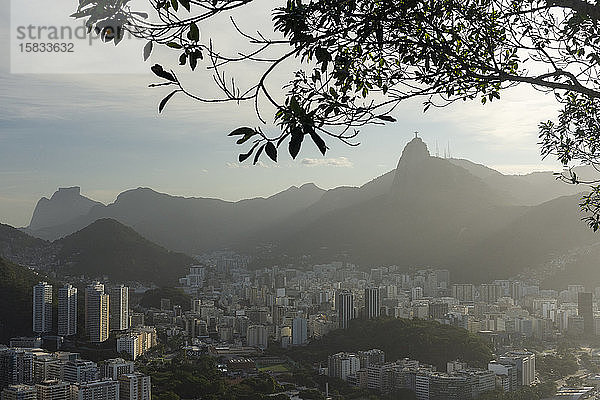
[{"x": 77, "y": 125}]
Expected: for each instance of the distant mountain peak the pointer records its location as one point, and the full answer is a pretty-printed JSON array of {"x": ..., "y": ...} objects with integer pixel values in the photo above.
[
  {"x": 65, "y": 205},
  {"x": 73, "y": 191},
  {"x": 414, "y": 151},
  {"x": 414, "y": 155},
  {"x": 309, "y": 185}
]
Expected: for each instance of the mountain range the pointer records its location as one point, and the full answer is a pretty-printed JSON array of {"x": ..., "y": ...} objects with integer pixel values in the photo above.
[
  {"x": 190, "y": 225},
  {"x": 437, "y": 212},
  {"x": 429, "y": 211}
]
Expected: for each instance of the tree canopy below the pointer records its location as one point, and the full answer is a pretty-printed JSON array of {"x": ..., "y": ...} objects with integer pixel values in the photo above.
[
  {"x": 183, "y": 378},
  {"x": 426, "y": 341}
]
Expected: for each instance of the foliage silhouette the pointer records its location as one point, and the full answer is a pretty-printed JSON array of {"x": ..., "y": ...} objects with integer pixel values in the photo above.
[{"x": 359, "y": 59}]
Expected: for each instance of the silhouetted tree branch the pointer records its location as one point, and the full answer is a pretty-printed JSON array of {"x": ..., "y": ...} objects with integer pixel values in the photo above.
[{"x": 360, "y": 59}]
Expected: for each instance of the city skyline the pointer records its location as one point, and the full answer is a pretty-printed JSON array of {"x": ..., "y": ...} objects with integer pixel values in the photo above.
[
  {"x": 297, "y": 308},
  {"x": 299, "y": 199}
]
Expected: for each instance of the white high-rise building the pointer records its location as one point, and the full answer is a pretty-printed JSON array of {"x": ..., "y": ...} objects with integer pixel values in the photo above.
[
  {"x": 42, "y": 308},
  {"x": 372, "y": 302},
  {"x": 119, "y": 308},
  {"x": 67, "y": 310},
  {"x": 129, "y": 344},
  {"x": 524, "y": 363},
  {"x": 96, "y": 313}
]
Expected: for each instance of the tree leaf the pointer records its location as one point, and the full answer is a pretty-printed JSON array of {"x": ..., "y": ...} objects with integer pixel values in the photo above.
[
  {"x": 319, "y": 142},
  {"x": 141, "y": 14},
  {"x": 246, "y": 137},
  {"x": 281, "y": 139},
  {"x": 84, "y": 13},
  {"x": 260, "y": 149},
  {"x": 194, "y": 56},
  {"x": 185, "y": 4},
  {"x": 379, "y": 35},
  {"x": 194, "y": 33},
  {"x": 160, "y": 72},
  {"x": 271, "y": 151},
  {"x": 193, "y": 62},
  {"x": 244, "y": 157},
  {"x": 244, "y": 130},
  {"x": 164, "y": 101},
  {"x": 248, "y": 133},
  {"x": 148, "y": 50},
  {"x": 387, "y": 118},
  {"x": 296, "y": 142},
  {"x": 182, "y": 59},
  {"x": 295, "y": 106},
  {"x": 322, "y": 54}
]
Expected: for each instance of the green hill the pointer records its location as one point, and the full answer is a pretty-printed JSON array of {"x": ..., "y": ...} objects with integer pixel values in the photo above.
[
  {"x": 24, "y": 249},
  {"x": 16, "y": 293},
  {"x": 104, "y": 248},
  {"x": 427, "y": 341},
  {"x": 107, "y": 247}
]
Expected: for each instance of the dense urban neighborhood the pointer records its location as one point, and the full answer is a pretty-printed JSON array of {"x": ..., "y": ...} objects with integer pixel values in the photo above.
[{"x": 330, "y": 331}]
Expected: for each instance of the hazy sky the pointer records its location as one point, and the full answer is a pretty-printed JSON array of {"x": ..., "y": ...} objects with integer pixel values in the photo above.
[{"x": 102, "y": 132}]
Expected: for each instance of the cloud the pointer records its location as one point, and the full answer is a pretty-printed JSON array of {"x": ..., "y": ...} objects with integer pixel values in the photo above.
[
  {"x": 522, "y": 169},
  {"x": 327, "y": 162},
  {"x": 257, "y": 165}
]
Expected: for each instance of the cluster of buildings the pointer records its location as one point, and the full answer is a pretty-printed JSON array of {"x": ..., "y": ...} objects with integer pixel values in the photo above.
[
  {"x": 289, "y": 307},
  {"x": 368, "y": 369},
  {"x": 34, "y": 374},
  {"x": 138, "y": 341},
  {"x": 510, "y": 307},
  {"x": 236, "y": 313},
  {"x": 42, "y": 309},
  {"x": 106, "y": 310}
]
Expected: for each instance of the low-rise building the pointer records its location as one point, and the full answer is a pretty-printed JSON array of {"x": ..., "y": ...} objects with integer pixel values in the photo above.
[
  {"x": 53, "y": 390},
  {"x": 19, "y": 392},
  {"x": 342, "y": 365},
  {"x": 96, "y": 390},
  {"x": 135, "y": 386}
]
